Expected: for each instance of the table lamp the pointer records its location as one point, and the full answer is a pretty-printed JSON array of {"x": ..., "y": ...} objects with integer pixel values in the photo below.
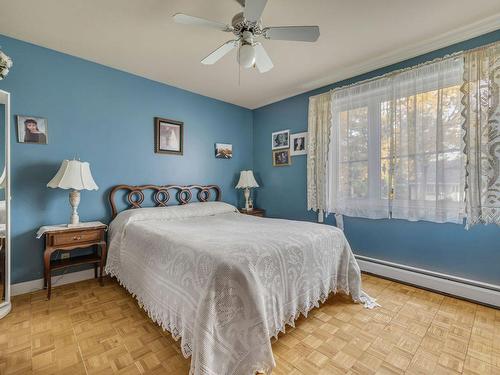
[
  {"x": 74, "y": 175},
  {"x": 247, "y": 181}
]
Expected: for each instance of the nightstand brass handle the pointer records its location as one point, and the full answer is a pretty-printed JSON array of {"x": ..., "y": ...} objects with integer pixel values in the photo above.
[{"x": 76, "y": 238}]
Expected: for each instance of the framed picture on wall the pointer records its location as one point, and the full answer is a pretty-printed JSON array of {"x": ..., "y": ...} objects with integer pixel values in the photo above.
[
  {"x": 32, "y": 129},
  {"x": 280, "y": 139},
  {"x": 169, "y": 136},
  {"x": 223, "y": 151},
  {"x": 281, "y": 158},
  {"x": 298, "y": 144}
]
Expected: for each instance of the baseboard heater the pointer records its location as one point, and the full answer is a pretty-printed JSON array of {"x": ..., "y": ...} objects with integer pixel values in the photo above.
[{"x": 476, "y": 291}]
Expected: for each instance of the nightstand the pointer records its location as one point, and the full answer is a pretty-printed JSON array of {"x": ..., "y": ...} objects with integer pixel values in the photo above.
[
  {"x": 66, "y": 239},
  {"x": 255, "y": 212}
]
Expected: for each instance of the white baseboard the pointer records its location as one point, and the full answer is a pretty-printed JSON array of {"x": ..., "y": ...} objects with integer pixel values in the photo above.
[
  {"x": 67, "y": 278},
  {"x": 485, "y": 293}
]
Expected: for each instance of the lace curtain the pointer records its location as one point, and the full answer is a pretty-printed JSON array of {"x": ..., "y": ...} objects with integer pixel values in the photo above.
[
  {"x": 482, "y": 135},
  {"x": 396, "y": 146},
  {"x": 319, "y": 125},
  {"x": 417, "y": 144},
  {"x": 422, "y": 125},
  {"x": 354, "y": 180}
]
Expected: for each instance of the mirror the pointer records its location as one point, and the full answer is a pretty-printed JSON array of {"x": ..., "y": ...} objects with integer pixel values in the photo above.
[{"x": 4, "y": 204}]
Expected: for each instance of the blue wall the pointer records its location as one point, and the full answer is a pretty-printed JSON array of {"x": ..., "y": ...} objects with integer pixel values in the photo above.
[
  {"x": 447, "y": 248},
  {"x": 106, "y": 117}
]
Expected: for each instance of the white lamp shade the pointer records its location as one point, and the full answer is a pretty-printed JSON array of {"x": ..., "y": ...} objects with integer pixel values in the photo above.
[
  {"x": 247, "y": 180},
  {"x": 73, "y": 174}
]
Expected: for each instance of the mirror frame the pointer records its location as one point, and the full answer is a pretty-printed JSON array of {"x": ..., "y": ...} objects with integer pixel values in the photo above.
[{"x": 5, "y": 306}]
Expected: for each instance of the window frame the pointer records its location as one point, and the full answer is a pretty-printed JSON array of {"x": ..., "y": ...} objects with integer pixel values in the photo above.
[{"x": 373, "y": 100}]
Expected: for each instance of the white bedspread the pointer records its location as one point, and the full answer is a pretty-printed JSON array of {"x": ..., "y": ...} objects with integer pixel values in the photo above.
[{"x": 225, "y": 282}]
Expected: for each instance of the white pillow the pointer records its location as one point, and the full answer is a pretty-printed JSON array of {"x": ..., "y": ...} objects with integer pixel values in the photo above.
[{"x": 171, "y": 212}]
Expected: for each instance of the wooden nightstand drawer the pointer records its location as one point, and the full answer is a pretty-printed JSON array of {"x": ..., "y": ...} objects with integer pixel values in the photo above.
[
  {"x": 76, "y": 237},
  {"x": 255, "y": 212}
]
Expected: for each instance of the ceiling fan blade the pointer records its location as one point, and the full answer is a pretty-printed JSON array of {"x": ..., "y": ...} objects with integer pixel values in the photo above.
[
  {"x": 220, "y": 52},
  {"x": 253, "y": 9},
  {"x": 196, "y": 21},
  {"x": 262, "y": 59},
  {"x": 294, "y": 33}
]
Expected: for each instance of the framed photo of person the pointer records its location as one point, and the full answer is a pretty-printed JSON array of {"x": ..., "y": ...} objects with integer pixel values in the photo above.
[
  {"x": 32, "y": 129},
  {"x": 280, "y": 139},
  {"x": 298, "y": 144},
  {"x": 223, "y": 151},
  {"x": 169, "y": 136},
  {"x": 281, "y": 158}
]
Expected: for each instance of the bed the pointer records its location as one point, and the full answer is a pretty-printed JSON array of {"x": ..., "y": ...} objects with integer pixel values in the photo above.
[{"x": 222, "y": 282}]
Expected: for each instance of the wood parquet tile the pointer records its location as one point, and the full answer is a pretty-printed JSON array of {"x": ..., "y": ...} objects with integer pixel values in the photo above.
[{"x": 88, "y": 329}]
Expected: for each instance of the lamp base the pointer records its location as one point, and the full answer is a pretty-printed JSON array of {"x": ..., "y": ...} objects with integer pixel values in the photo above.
[
  {"x": 247, "y": 195},
  {"x": 74, "y": 200}
]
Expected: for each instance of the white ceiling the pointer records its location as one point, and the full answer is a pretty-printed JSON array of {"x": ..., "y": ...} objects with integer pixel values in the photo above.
[{"x": 139, "y": 36}]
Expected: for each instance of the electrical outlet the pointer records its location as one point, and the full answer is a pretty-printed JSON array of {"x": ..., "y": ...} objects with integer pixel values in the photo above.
[{"x": 64, "y": 255}]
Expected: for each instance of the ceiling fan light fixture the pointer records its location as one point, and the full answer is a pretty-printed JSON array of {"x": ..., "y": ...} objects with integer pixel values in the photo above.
[
  {"x": 247, "y": 28},
  {"x": 246, "y": 56}
]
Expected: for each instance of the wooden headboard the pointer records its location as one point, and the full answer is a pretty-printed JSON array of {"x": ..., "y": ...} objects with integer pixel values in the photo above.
[{"x": 161, "y": 195}]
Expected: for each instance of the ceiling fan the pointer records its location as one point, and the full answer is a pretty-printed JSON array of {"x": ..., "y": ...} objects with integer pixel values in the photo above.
[{"x": 247, "y": 28}]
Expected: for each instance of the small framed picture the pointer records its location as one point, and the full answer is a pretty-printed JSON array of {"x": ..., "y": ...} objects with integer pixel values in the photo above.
[
  {"x": 298, "y": 144},
  {"x": 281, "y": 139},
  {"x": 281, "y": 158},
  {"x": 32, "y": 129},
  {"x": 223, "y": 151},
  {"x": 169, "y": 136}
]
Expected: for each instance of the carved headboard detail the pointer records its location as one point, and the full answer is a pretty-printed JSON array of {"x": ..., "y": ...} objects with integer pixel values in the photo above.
[{"x": 161, "y": 194}]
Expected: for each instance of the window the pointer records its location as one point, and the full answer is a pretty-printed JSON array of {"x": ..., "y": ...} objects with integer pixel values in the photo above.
[
  {"x": 354, "y": 144},
  {"x": 396, "y": 146}
]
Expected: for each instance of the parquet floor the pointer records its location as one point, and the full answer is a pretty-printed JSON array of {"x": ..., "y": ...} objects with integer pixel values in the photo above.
[{"x": 88, "y": 329}]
